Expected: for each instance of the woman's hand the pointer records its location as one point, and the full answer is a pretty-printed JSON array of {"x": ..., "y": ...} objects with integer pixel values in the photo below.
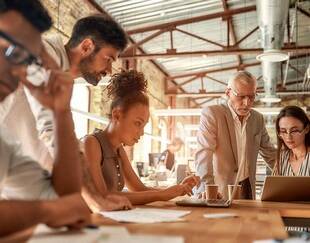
[
  {"x": 176, "y": 191},
  {"x": 203, "y": 195},
  {"x": 192, "y": 181}
]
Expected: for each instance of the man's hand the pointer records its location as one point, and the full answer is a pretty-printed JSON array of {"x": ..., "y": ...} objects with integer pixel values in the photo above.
[
  {"x": 69, "y": 211},
  {"x": 56, "y": 94}
]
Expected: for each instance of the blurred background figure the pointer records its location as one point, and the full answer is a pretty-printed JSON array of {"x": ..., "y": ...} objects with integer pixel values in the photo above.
[{"x": 168, "y": 156}]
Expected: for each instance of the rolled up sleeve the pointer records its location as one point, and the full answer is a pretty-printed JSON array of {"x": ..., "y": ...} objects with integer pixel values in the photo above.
[{"x": 25, "y": 178}]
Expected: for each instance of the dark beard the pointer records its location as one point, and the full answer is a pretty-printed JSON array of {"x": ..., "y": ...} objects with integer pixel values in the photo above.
[{"x": 85, "y": 67}]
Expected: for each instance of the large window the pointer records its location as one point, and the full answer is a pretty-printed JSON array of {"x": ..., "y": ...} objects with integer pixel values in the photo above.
[
  {"x": 144, "y": 146},
  {"x": 164, "y": 134},
  {"x": 80, "y": 101}
]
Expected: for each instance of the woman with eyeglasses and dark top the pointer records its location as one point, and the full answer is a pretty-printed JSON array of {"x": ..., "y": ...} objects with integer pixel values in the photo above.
[
  {"x": 293, "y": 154},
  {"x": 109, "y": 165}
]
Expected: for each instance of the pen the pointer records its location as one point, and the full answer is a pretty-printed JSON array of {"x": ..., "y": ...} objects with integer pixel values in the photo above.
[{"x": 91, "y": 226}]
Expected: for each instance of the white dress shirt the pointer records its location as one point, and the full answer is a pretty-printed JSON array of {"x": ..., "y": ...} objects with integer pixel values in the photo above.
[
  {"x": 20, "y": 176},
  {"x": 27, "y": 120},
  {"x": 240, "y": 131}
]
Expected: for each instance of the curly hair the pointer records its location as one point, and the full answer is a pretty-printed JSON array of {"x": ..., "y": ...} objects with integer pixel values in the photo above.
[{"x": 126, "y": 89}]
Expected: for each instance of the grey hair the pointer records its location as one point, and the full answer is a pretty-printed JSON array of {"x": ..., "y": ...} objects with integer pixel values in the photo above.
[{"x": 242, "y": 76}]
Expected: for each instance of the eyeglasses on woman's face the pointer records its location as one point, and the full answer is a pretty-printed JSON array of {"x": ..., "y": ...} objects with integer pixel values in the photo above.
[{"x": 294, "y": 132}]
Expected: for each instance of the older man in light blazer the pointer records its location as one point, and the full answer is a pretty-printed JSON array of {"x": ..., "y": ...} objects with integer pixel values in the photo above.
[{"x": 230, "y": 137}]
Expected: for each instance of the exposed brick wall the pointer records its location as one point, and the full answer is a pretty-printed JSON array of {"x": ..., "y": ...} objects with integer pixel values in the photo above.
[{"x": 65, "y": 13}]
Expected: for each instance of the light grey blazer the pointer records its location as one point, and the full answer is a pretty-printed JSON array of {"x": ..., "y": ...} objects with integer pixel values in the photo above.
[{"x": 216, "y": 159}]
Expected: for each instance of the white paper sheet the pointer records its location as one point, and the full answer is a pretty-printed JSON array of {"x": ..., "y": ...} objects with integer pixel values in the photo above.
[
  {"x": 220, "y": 215},
  {"x": 107, "y": 234},
  {"x": 155, "y": 239},
  {"x": 146, "y": 215},
  {"x": 104, "y": 234}
]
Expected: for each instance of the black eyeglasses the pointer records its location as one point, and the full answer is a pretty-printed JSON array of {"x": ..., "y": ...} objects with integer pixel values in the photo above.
[{"x": 17, "y": 54}]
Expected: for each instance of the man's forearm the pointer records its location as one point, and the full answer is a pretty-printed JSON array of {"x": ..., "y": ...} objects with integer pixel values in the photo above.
[
  {"x": 20, "y": 215},
  {"x": 204, "y": 165},
  {"x": 67, "y": 168}
]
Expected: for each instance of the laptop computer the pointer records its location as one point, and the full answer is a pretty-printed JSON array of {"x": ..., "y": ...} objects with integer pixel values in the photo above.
[
  {"x": 195, "y": 202},
  {"x": 286, "y": 188}
]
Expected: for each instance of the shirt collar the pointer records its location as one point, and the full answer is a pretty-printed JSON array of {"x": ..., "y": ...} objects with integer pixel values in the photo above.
[{"x": 234, "y": 114}]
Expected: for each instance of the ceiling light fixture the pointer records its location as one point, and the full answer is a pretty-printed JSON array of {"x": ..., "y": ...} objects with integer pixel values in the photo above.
[
  {"x": 270, "y": 99},
  {"x": 272, "y": 55}
]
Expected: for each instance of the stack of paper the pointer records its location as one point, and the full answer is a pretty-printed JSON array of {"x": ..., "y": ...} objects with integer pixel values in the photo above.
[{"x": 146, "y": 215}]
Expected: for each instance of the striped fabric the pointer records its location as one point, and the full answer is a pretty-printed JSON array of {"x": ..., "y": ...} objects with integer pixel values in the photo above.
[{"x": 286, "y": 168}]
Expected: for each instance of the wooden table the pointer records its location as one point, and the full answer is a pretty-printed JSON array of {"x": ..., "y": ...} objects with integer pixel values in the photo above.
[
  {"x": 293, "y": 214},
  {"x": 251, "y": 224},
  {"x": 296, "y": 210},
  {"x": 256, "y": 220}
]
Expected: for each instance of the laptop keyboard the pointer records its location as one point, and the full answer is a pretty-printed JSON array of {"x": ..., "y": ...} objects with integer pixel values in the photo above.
[
  {"x": 204, "y": 203},
  {"x": 216, "y": 201}
]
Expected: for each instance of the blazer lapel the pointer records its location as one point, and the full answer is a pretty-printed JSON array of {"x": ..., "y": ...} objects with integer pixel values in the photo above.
[
  {"x": 232, "y": 134},
  {"x": 249, "y": 134}
]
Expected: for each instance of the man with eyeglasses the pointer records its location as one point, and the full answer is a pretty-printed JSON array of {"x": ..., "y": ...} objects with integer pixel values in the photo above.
[
  {"x": 95, "y": 43},
  {"x": 21, "y": 178},
  {"x": 230, "y": 137}
]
